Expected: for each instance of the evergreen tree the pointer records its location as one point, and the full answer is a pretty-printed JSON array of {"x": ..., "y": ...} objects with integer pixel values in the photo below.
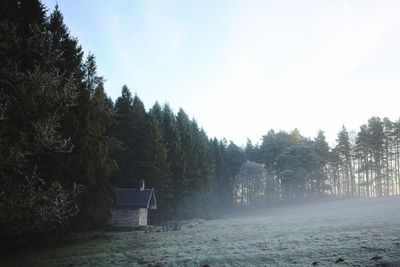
[
  {"x": 131, "y": 128},
  {"x": 376, "y": 143},
  {"x": 234, "y": 159},
  {"x": 123, "y": 130},
  {"x": 69, "y": 52},
  {"x": 388, "y": 155},
  {"x": 396, "y": 144},
  {"x": 139, "y": 141},
  {"x": 175, "y": 161},
  {"x": 344, "y": 151},
  {"x": 90, "y": 163},
  {"x": 158, "y": 176},
  {"x": 206, "y": 172},
  {"x": 362, "y": 151},
  {"x": 217, "y": 152},
  {"x": 322, "y": 150}
]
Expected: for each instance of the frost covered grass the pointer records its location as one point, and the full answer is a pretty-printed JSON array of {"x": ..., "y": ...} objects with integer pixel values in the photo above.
[{"x": 363, "y": 232}]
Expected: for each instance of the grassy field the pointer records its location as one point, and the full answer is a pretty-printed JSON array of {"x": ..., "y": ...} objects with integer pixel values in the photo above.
[{"x": 339, "y": 233}]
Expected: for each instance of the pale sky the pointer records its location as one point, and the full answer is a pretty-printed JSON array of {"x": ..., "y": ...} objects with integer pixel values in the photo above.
[{"x": 241, "y": 68}]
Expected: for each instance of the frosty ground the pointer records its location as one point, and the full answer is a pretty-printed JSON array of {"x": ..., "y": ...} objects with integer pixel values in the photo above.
[{"x": 363, "y": 232}]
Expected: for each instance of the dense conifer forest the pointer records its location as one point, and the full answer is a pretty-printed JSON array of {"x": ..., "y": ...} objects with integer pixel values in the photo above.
[{"x": 64, "y": 145}]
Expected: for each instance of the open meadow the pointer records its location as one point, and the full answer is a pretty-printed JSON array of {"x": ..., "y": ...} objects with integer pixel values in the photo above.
[{"x": 364, "y": 232}]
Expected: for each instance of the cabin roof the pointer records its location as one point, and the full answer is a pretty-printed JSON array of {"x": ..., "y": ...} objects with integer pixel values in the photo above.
[{"x": 127, "y": 197}]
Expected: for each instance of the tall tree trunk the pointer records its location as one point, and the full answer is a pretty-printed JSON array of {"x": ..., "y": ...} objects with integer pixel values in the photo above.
[{"x": 367, "y": 174}]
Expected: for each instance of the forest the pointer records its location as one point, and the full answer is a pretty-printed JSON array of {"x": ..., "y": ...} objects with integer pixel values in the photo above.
[{"x": 65, "y": 144}]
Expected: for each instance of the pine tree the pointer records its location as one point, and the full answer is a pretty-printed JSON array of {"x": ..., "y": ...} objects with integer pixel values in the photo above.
[
  {"x": 90, "y": 163},
  {"x": 123, "y": 130},
  {"x": 159, "y": 176},
  {"x": 69, "y": 52},
  {"x": 344, "y": 151},
  {"x": 376, "y": 144},
  {"x": 388, "y": 155},
  {"x": 396, "y": 137},
  {"x": 322, "y": 151},
  {"x": 362, "y": 151},
  {"x": 234, "y": 159},
  {"x": 131, "y": 128},
  {"x": 217, "y": 152},
  {"x": 139, "y": 141},
  {"x": 175, "y": 161}
]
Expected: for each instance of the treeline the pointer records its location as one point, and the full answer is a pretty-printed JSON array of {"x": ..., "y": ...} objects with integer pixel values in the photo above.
[
  {"x": 193, "y": 175},
  {"x": 289, "y": 166}
]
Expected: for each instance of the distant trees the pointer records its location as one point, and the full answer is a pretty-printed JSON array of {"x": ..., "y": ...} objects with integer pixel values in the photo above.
[
  {"x": 377, "y": 155},
  {"x": 251, "y": 184},
  {"x": 297, "y": 167},
  {"x": 320, "y": 174},
  {"x": 343, "y": 150}
]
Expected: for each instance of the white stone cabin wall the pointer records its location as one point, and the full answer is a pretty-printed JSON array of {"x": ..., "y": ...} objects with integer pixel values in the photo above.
[
  {"x": 129, "y": 217},
  {"x": 142, "y": 217}
]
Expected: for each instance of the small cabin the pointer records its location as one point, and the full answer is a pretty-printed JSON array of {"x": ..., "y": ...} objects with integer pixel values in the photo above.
[{"x": 131, "y": 207}]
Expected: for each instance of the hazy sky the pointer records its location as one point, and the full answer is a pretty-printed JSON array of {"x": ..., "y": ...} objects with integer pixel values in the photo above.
[{"x": 241, "y": 68}]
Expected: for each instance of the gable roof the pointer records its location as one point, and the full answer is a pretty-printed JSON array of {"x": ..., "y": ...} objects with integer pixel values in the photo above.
[{"x": 127, "y": 197}]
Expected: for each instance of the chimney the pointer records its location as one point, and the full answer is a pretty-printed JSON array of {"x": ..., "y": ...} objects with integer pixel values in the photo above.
[{"x": 141, "y": 185}]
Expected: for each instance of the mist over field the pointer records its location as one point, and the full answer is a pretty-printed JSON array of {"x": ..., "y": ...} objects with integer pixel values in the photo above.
[{"x": 361, "y": 232}]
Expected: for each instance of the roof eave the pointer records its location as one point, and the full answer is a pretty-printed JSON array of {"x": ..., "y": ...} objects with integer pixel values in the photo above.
[{"x": 152, "y": 195}]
